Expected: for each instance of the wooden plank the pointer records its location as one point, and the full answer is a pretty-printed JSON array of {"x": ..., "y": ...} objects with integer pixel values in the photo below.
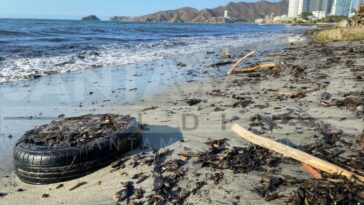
[
  {"x": 294, "y": 153},
  {"x": 256, "y": 68},
  {"x": 231, "y": 71}
]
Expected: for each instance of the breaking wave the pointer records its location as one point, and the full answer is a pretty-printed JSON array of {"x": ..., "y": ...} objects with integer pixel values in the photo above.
[{"x": 64, "y": 53}]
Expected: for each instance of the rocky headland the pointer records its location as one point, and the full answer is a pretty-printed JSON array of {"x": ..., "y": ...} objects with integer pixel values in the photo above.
[{"x": 238, "y": 12}]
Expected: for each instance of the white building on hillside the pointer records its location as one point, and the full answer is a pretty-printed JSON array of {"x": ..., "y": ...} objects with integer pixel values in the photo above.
[
  {"x": 341, "y": 7},
  {"x": 227, "y": 14}
]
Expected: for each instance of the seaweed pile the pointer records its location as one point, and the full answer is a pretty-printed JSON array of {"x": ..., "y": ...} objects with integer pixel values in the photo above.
[
  {"x": 334, "y": 148},
  {"x": 78, "y": 130},
  {"x": 353, "y": 101},
  {"x": 238, "y": 159},
  {"x": 328, "y": 191},
  {"x": 166, "y": 176}
]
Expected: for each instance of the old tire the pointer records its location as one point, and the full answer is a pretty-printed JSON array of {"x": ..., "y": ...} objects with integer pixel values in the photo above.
[{"x": 36, "y": 164}]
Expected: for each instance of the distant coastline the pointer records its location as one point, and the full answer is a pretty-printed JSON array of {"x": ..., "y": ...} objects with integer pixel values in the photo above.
[{"x": 230, "y": 13}]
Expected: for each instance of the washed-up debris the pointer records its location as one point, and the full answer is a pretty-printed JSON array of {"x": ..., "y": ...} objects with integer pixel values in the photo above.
[
  {"x": 353, "y": 101},
  {"x": 242, "y": 101},
  {"x": 76, "y": 130},
  {"x": 360, "y": 141},
  {"x": 267, "y": 186},
  {"x": 265, "y": 122},
  {"x": 165, "y": 187},
  {"x": 217, "y": 177},
  {"x": 125, "y": 193},
  {"x": 257, "y": 67},
  {"x": 142, "y": 178},
  {"x": 232, "y": 69},
  {"x": 137, "y": 176},
  {"x": 60, "y": 186},
  {"x": 342, "y": 191},
  {"x": 328, "y": 131},
  {"x": 292, "y": 115},
  {"x": 193, "y": 101},
  {"x": 180, "y": 64},
  {"x": 138, "y": 193},
  {"x": 226, "y": 56},
  {"x": 221, "y": 63},
  {"x": 312, "y": 171},
  {"x": 198, "y": 187},
  {"x": 289, "y": 95},
  {"x": 45, "y": 196},
  {"x": 3, "y": 194},
  {"x": 20, "y": 190},
  {"x": 232, "y": 119},
  {"x": 119, "y": 164},
  {"x": 150, "y": 108},
  {"x": 296, "y": 154},
  {"x": 78, "y": 185},
  {"x": 238, "y": 159}
]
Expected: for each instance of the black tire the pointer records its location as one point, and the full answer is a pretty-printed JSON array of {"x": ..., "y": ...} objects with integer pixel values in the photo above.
[{"x": 36, "y": 164}]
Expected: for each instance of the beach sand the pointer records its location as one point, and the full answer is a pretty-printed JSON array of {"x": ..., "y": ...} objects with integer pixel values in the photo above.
[{"x": 304, "y": 67}]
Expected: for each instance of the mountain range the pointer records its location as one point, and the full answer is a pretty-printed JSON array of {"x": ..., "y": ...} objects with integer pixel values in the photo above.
[{"x": 239, "y": 11}]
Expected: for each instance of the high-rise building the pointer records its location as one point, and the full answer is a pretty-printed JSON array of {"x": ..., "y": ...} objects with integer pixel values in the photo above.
[
  {"x": 317, "y": 5},
  {"x": 324, "y": 7},
  {"x": 341, "y": 7},
  {"x": 358, "y": 3},
  {"x": 296, "y": 8}
]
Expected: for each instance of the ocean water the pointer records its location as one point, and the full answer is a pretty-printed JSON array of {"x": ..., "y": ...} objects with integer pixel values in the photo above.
[{"x": 33, "y": 48}]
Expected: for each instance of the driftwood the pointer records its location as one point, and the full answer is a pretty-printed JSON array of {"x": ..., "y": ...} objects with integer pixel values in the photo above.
[
  {"x": 295, "y": 154},
  {"x": 256, "y": 68},
  {"x": 232, "y": 69}
]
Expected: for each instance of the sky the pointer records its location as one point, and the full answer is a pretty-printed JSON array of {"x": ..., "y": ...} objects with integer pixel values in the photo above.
[{"x": 104, "y": 9}]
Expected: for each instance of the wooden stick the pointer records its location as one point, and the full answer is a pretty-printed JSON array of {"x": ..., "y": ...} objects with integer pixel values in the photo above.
[
  {"x": 294, "y": 153},
  {"x": 231, "y": 71},
  {"x": 256, "y": 68}
]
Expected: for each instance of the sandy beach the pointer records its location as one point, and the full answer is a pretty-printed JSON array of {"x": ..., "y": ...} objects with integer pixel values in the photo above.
[{"x": 171, "y": 123}]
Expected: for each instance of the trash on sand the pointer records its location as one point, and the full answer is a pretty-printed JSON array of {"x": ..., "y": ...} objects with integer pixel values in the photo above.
[
  {"x": 312, "y": 171},
  {"x": 80, "y": 145},
  {"x": 296, "y": 154}
]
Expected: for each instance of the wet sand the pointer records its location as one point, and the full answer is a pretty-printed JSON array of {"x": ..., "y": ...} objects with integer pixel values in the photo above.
[{"x": 303, "y": 67}]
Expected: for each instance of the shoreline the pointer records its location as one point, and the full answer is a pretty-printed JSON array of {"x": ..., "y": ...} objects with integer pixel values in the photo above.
[{"x": 304, "y": 67}]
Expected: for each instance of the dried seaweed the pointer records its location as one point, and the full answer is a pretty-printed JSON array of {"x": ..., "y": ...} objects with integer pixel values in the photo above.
[
  {"x": 326, "y": 192},
  {"x": 78, "y": 130},
  {"x": 165, "y": 186},
  {"x": 238, "y": 159}
]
